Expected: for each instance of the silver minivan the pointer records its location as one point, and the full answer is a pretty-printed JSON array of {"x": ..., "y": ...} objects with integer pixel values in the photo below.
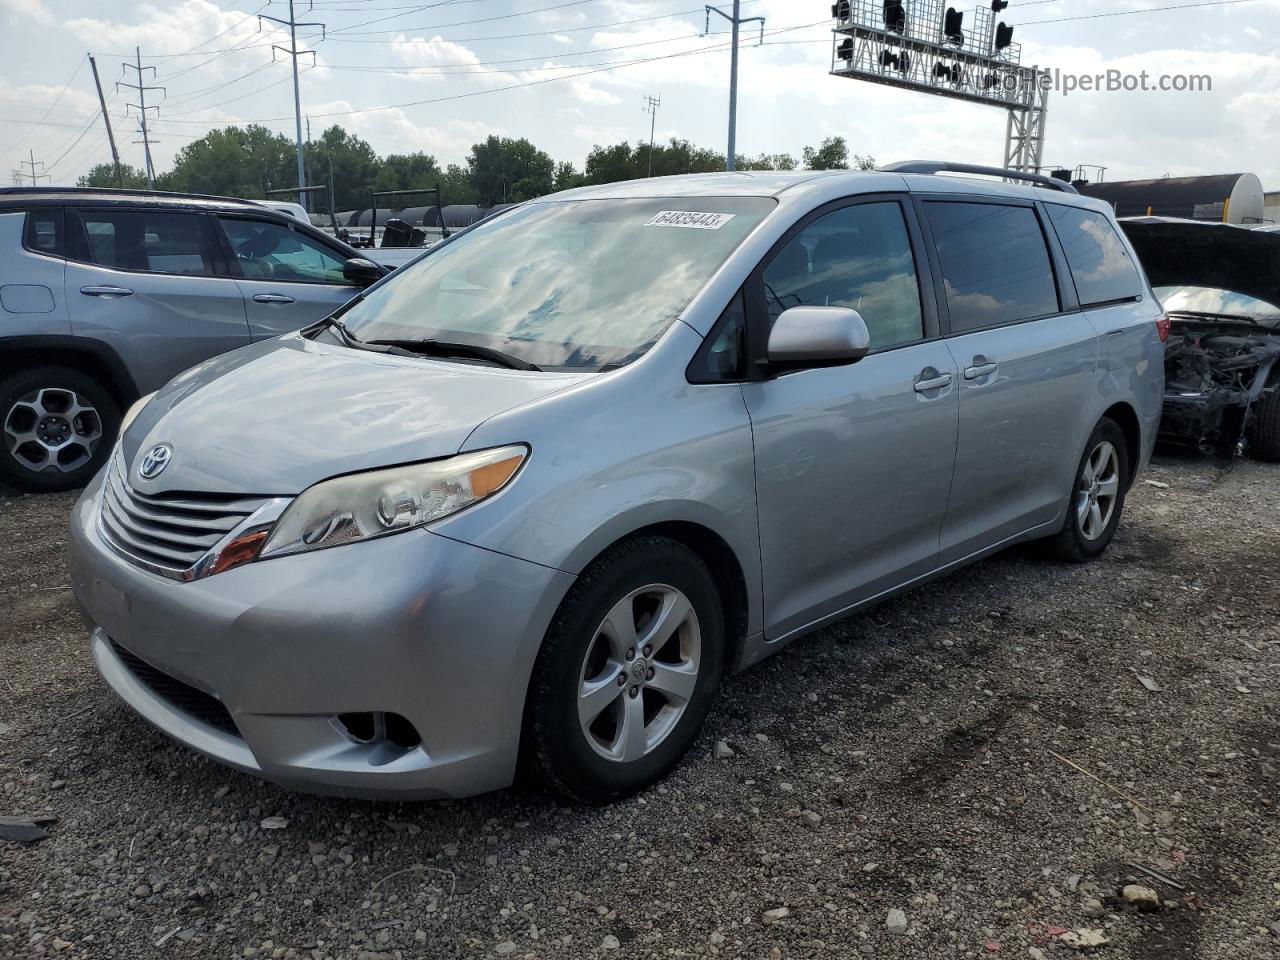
[{"x": 534, "y": 495}]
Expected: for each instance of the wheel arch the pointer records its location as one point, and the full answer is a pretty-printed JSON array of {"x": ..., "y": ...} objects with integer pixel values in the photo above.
[
  {"x": 1126, "y": 418},
  {"x": 89, "y": 357},
  {"x": 722, "y": 561}
]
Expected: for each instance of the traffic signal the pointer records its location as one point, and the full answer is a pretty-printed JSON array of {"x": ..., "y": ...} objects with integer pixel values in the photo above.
[
  {"x": 845, "y": 50},
  {"x": 1004, "y": 36},
  {"x": 953, "y": 27},
  {"x": 840, "y": 10},
  {"x": 998, "y": 5},
  {"x": 895, "y": 16}
]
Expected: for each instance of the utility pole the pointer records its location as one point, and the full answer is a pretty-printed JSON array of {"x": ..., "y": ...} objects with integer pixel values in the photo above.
[
  {"x": 293, "y": 25},
  {"x": 106, "y": 118},
  {"x": 36, "y": 167},
  {"x": 737, "y": 21},
  {"x": 141, "y": 107},
  {"x": 651, "y": 105}
]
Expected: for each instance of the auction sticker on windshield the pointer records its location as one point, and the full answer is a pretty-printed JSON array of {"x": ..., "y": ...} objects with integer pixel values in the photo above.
[{"x": 690, "y": 219}]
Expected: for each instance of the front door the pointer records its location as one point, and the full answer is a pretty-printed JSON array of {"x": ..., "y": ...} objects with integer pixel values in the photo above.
[
  {"x": 289, "y": 279},
  {"x": 151, "y": 284},
  {"x": 853, "y": 463}
]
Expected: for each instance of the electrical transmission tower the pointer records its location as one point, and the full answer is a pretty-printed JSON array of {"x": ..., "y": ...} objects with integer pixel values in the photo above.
[
  {"x": 292, "y": 53},
  {"x": 142, "y": 108},
  {"x": 736, "y": 21},
  {"x": 651, "y": 105},
  {"x": 34, "y": 169}
]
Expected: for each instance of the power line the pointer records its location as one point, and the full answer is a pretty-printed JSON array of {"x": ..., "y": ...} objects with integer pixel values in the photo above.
[
  {"x": 293, "y": 24},
  {"x": 65, "y": 87},
  {"x": 1130, "y": 13},
  {"x": 458, "y": 23}
]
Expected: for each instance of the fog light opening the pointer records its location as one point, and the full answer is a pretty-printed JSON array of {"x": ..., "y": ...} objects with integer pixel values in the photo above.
[{"x": 378, "y": 727}]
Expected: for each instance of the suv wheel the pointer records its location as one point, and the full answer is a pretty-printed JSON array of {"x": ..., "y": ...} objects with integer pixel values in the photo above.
[
  {"x": 1097, "y": 497},
  {"x": 57, "y": 426},
  {"x": 628, "y": 671}
]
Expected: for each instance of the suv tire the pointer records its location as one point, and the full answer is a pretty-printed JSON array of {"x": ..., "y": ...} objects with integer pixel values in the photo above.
[
  {"x": 650, "y": 699},
  {"x": 1264, "y": 441},
  {"x": 1097, "y": 496},
  {"x": 57, "y": 427}
]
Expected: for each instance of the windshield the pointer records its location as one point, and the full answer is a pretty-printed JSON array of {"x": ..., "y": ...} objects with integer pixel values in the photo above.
[
  {"x": 1186, "y": 299},
  {"x": 570, "y": 284}
]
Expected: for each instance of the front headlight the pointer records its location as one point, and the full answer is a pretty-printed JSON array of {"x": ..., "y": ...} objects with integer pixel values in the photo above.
[
  {"x": 132, "y": 413},
  {"x": 381, "y": 502}
]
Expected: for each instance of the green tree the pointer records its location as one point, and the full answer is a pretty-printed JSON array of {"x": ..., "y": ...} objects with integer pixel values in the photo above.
[
  {"x": 104, "y": 175},
  {"x": 234, "y": 162},
  {"x": 832, "y": 155},
  {"x": 506, "y": 171},
  {"x": 767, "y": 161},
  {"x": 353, "y": 163},
  {"x": 568, "y": 177},
  {"x": 610, "y": 164},
  {"x": 457, "y": 186},
  {"x": 408, "y": 171}
]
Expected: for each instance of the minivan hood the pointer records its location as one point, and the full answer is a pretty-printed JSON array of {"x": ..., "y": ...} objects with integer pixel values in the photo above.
[
  {"x": 278, "y": 416},
  {"x": 1198, "y": 253}
]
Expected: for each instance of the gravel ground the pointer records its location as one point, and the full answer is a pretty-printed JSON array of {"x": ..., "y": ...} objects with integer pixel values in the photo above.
[{"x": 920, "y": 758}]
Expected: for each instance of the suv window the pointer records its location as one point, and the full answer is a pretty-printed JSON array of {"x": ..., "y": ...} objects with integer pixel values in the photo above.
[
  {"x": 995, "y": 263},
  {"x": 858, "y": 257},
  {"x": 154, "y": 241},
  {"x": 273, "y": 251},
  {"x": 1100, "y": 264},
  {"x": 43, "y": 232}
]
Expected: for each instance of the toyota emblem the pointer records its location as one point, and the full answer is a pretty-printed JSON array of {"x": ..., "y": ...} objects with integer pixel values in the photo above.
[{"x": 155, "y": 461}]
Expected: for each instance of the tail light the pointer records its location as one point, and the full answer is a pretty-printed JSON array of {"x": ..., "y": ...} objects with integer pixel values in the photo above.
[{"x": 1162, "y": 327}]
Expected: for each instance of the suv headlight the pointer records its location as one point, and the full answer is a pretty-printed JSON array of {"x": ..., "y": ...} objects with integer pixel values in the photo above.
[{"x": 381, "y": 502}]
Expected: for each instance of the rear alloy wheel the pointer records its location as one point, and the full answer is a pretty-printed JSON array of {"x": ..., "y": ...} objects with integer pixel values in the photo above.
[
  {"x": 1097, "y": 497},
  {"x": 57, "y": 426},
  {"x": 1264, "y": 436},
  {"x": 627, "y": 673}
]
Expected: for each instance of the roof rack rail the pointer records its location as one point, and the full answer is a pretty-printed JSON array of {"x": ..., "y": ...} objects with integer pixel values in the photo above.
[
  {"x": 124, "y": 192},
  {"x": 936, "y": 166}
]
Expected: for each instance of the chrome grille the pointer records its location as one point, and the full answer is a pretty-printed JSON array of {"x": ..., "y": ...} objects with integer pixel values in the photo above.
[{"x": 168, "y": 533}]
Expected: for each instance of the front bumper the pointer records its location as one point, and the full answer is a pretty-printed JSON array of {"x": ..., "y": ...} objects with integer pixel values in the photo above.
[{"x": 440, "y": 632}]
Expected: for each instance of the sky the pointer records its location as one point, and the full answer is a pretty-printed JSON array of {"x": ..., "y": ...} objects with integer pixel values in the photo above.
[{"x": 438, "y": 76}]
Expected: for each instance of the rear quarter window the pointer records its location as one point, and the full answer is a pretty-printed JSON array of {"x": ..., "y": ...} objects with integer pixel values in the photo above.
[
  {"x": 43, "y": 232},
  {"x": 1100, "y": 263},
  {"x": 995, "y": 263}
]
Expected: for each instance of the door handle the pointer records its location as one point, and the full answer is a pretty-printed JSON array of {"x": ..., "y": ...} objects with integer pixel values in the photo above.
[
  {"x": 106, "y": 291},
  {"x": 272, "y": 298},
  {"x": 934, "y": 383},
  {"x": 980, "y": 371}
]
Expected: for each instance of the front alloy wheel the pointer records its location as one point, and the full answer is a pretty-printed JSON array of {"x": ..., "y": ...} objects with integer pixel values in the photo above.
[
  {"x": 627, "y": 672},
  {"x": 639, "y": 673}
]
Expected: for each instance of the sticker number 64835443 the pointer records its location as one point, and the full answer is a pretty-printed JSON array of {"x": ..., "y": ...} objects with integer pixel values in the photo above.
[{"x": 690, "y": 219}]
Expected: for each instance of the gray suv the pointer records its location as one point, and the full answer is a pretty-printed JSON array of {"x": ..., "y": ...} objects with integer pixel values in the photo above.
[
  {"x": 535, "y": 493},
  {"x": 106, "y": 295}
]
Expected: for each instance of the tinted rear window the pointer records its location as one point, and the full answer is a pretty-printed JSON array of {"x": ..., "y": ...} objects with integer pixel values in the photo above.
[
  {"x": 1100, "y": 263},
  {"x": 995, "y": 264},
  {"x": 155, "y": 241}
]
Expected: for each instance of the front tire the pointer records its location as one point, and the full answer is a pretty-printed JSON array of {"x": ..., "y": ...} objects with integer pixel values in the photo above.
[
  {"x": 1097, "y": 496},
  {"x": 628, "y": 671},
  {"x": 57, "y": 426}
]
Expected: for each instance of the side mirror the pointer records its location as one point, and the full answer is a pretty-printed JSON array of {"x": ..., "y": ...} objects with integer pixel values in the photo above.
[
  {"x": 361, "y": 272},
  {"x": 818, "y": 337}
]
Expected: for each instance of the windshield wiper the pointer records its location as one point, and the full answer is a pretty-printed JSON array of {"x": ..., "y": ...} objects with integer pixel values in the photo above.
[{"x": 450, "y": 348}]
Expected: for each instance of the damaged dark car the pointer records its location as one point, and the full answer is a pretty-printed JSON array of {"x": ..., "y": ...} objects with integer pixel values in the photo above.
[{"x": 1220, "y": 286}]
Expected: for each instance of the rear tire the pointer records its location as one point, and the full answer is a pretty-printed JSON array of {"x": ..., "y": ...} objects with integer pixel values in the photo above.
[
  {"x": 593, "y": 676},
  {"x": 57, "y": 427},
  {"x": 1264, "y": 439},
  {"x": 1097, "y": 496}
]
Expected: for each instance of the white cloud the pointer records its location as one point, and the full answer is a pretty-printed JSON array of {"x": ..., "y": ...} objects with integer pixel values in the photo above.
[{"x": 34, "y": 10}]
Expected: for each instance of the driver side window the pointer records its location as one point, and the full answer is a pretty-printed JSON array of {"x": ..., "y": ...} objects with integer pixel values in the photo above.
[
  {"x": 858, "y": 257},
  {"x": 272, "y": 251}
]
